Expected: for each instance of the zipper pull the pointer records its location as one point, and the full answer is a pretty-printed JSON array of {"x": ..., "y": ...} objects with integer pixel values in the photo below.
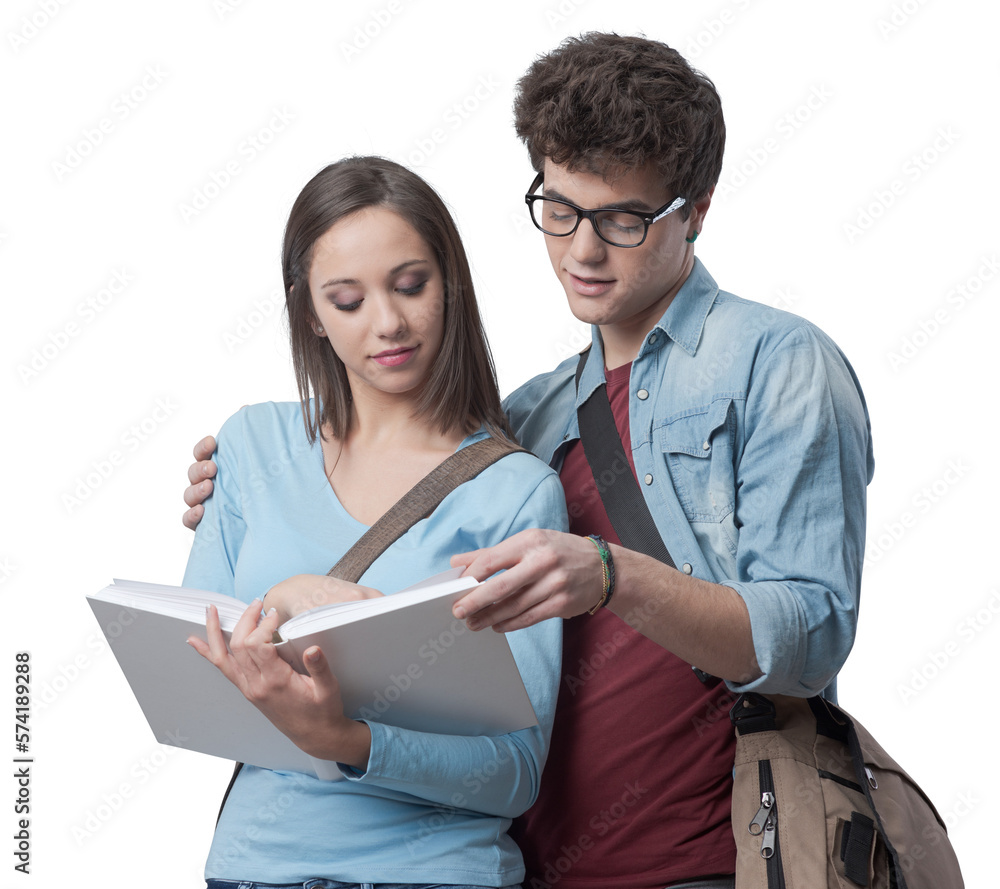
[
  {"x": 770, "y": 834},
  {"x": 871, "y": 778},
  {"x": 756, "y": 826}
]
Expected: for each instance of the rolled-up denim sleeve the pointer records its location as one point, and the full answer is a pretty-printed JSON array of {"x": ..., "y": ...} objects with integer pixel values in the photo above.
[{"x": 800, "y": 509}]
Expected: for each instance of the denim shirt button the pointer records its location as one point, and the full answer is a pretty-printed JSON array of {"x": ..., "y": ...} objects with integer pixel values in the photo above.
[
  {"x": 686, "y": 568},
  {"x": 705, "y": 446},
  {"x": 652, "y": 338},
  {"x": 642, "y": 395},
  {"x": 648, "y": 479}
]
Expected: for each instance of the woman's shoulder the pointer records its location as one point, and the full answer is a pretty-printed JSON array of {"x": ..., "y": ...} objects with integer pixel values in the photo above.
[
  {"x": 264, "y": 427},
  {"x": 519, "y": 463},
  {"x": 521, "y": 487},
  {"x": 263, "y": 416}
]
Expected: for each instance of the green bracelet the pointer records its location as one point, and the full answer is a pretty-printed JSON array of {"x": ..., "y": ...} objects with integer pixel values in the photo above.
[{"x": 607, "y": 571}]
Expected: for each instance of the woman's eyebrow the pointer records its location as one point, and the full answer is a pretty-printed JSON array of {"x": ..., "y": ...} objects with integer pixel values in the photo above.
[{"x": 395, "y": 270}]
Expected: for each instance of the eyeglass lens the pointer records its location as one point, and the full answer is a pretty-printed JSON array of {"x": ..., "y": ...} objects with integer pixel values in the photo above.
[{"x": 615, "y": 226}]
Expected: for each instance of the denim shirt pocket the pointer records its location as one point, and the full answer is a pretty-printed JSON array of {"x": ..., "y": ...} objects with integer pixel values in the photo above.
[{"x": 698, "y": 449}]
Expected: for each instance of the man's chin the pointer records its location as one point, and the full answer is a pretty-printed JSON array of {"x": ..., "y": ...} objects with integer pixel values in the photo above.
[{"x": 589, "y": 309}]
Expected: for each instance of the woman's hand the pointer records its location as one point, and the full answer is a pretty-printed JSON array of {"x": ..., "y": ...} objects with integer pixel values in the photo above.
[
  {"x": 308, "y": 709},
  {"x": 305, "y": 591}
]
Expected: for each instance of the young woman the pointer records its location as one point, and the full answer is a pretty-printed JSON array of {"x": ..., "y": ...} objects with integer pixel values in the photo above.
[{"x": 394, "y": 375}]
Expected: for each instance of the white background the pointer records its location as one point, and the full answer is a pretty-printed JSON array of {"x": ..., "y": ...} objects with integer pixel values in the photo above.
[{"x": 828, "y": 105}]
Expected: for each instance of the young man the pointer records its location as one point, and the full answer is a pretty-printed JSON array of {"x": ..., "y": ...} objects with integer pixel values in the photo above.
[{"x": 749, "y": 437}]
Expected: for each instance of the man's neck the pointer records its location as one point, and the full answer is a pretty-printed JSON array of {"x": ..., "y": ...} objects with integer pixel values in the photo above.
[{"x": 622, "y": 339}]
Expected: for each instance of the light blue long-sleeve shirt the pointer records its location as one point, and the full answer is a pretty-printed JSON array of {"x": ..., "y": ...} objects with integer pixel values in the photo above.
[
  {"x": 752, "y": 447},
  {"x": 429, "y": 808}
]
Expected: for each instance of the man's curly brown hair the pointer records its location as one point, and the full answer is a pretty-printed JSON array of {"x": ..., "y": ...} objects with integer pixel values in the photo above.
[{"x": 607, "y": 104}]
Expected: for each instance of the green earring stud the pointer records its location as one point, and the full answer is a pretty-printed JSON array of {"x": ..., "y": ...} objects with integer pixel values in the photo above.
[{"x": 692, "y": 239}]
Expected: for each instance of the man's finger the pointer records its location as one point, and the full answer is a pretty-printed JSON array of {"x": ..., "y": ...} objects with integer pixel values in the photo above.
[
  {"x": 196, "y": 494},
  {"x": 192, "y": 517},
  {"x": 487, "y": 562},
  {"x": 203, "y": 469},
  {"x": 205, "y": 448},
  {"x": 464, "y": 560},
  {"x": 490, "y": 594}
]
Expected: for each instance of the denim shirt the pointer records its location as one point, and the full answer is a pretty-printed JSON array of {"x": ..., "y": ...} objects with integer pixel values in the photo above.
[{"x": 752, "y": 447}]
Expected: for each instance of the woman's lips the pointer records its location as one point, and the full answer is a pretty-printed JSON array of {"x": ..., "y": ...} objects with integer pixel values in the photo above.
[
  {"x": 394, "y": 357},
  {"x": 589, "y": 286}
]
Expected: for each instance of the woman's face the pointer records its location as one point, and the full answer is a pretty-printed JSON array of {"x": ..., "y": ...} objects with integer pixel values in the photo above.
[{"x": 379, "y": 296}]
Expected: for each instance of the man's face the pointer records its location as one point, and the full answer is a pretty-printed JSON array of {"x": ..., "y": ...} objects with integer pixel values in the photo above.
[{"x": 623, "y": 289}]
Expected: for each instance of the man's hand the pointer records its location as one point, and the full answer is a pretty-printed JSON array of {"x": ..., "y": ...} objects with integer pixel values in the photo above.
[
  {"x": 200, "y": 474},
  {"x": 308, "y": 709},
  {"x": 545, "y": 574},
  {"x": 305, "y": 591},
  {"x": 551, "y": 574}
]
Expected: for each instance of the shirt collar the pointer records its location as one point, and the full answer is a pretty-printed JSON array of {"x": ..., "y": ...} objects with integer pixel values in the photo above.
[{"x": 684, "y": 319}]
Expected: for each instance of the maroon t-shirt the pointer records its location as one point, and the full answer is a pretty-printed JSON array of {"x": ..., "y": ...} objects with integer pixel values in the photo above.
[{"x": 637, "y": 788}]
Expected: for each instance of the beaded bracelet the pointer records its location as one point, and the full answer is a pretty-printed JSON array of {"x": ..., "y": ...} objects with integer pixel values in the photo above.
[{"x": 607, "y": 571}]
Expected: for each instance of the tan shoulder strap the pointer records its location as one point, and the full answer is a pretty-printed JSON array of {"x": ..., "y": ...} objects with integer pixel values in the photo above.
[{"x": 420, "y": 501}]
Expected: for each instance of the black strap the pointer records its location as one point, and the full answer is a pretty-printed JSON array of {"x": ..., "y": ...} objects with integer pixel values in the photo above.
[
  {"x": 856, "y": 847},
  {"x": 618, "y": 487},
  {"x": 619, "y": 490},
  {"x": 417, "y": 503}
]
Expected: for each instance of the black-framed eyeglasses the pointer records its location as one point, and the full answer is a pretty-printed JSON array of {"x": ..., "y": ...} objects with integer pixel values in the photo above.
[{"x": 620, "y": 228}]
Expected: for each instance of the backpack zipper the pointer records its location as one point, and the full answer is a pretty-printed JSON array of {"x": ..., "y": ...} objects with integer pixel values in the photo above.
[{"x": 765, "y": 825}]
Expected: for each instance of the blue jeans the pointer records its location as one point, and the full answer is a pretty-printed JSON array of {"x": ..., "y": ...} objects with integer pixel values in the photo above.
[{"x": 334, "y": 884}]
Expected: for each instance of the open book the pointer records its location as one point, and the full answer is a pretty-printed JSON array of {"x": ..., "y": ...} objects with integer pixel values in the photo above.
[{"x": 402, "y": 659}]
